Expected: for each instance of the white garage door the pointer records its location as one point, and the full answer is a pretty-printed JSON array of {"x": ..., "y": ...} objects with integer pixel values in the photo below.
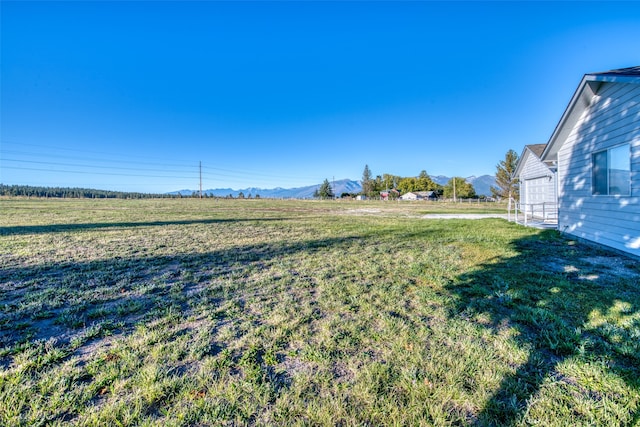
[{"x": 535, "y": 190}]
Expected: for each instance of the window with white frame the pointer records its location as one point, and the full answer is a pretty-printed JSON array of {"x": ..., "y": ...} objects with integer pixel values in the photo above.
[{"x": 611, "y": 171}]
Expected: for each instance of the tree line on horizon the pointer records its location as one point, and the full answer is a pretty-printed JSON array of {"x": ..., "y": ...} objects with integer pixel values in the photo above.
[
  {"x": 74, "y": 193},
  {"x": 397, "y": 185},
  {"x": 507, "y": 187},
  {"x": 89, "y": 193}
]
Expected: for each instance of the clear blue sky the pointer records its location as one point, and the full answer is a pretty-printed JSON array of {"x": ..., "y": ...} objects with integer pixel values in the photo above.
[{"x": 132, "y": 95}]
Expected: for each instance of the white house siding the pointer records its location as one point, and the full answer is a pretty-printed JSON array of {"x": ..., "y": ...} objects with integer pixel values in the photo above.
[
  {"x": 409, "y": 196},
  {"x": 537, "y": 182},
  {"x": 613, "y": 118}
]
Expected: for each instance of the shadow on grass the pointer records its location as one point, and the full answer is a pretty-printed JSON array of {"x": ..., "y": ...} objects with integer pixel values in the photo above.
[
  {"x": 549, "y": 292},
  {"x": 62, "y": 228},
  {"x": 565, "y": 300},
  {"x": 51, "y": 301}
]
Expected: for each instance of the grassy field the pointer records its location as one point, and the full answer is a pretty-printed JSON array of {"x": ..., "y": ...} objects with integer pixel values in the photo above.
[{"x": 258, "y": 312}]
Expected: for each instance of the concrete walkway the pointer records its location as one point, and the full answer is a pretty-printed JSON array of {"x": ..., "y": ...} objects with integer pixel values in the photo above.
[
  {"x": 463, "y": 216},
  {"x": 534, "y": 224}
]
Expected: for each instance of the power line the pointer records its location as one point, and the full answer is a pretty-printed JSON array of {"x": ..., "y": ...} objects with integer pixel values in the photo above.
[
  {"x": 38, "y": 154},
  {"x": 61, "y": 168},
  {"x": 79, "y": 150},
  {"x": 24, "y": 160},
  {"x": 241, "y": 172},
  {"x": 95, "y": 163},
  {"x": 99, "y": 173},
  {"x": 86, "y": 166},
  {"x": 91, "y": 159}
]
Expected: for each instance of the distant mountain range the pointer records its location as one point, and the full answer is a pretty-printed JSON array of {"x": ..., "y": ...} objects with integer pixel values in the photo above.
[
  {"x": 341, "y": 186},
  {"x": 480, "y": 183}
]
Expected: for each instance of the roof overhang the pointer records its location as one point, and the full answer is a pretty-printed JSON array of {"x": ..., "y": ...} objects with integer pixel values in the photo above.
[
  {"x": 580, "y": 101},
  {"x": 522, "y": 160}
]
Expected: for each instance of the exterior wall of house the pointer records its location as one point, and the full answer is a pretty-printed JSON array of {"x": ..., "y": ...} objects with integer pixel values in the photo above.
[
  {"x": 409, "y": 196},
  {"x": 537, "y": 182},
  {"x": 613, "y": 118}
]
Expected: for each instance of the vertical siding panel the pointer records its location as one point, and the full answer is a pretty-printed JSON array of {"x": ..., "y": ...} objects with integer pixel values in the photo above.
[{"x": 613, "y": 118}]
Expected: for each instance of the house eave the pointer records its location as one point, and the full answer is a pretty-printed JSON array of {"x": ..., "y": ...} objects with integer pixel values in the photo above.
[
  {"x": 521, "y": 161},
  {"x": 580, "y": 101},
  {"x": 526, "y": 152},
  {"x": 612, "y": 78}
]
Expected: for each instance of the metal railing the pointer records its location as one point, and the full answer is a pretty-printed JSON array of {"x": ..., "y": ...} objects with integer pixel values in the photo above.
[{"x": 538, "y": 213}]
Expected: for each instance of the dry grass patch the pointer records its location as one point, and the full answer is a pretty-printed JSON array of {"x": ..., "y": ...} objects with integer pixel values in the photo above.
[{"x": 190, "y": 312}]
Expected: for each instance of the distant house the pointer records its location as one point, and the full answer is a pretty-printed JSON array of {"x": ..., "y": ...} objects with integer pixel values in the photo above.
[
  {"x": 420, "y": 195},
  {"x": 538, "y": 192},
  {"x": 389, "y": 194},
  {"x": 595, "y": 149},
  {"x": 409, "y": 196}
]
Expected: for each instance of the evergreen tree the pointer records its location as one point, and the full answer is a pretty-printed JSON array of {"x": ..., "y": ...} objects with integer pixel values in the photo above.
[
  {"x": 367, "y": 181},
  {"x": 64, "y": 192},
  {"x": 507, "y": 184},
  {"x": 324, "y": 191}
]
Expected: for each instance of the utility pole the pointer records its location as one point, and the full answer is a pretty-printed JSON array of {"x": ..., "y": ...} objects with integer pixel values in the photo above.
[
  {"x": 454, "y": 189},
  {"x": 201, "y": 179}
]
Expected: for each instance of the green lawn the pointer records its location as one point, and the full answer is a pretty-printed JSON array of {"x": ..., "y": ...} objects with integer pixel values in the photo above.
[{"x": 260, "y": 312}]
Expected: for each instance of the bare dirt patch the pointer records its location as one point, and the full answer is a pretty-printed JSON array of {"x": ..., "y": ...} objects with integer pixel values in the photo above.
[
  {"x": 616, "y": 265},
  {"x": 608, "y": 268}
]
